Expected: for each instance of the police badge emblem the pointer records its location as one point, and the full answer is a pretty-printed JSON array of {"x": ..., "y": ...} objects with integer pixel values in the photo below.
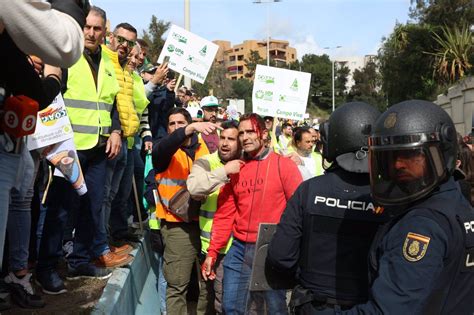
[{"x": 415, "y": 246}]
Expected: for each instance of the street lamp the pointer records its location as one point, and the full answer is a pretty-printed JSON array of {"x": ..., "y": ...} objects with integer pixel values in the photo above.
[
  {"x": 187, "y": 26},
  {"x": 268, "y": 25},
  {"x": 333, "y": 64}
]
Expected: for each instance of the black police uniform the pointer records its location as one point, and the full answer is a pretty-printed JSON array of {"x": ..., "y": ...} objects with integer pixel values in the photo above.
[
  {"x": 324, "y": 235},
  {"x": 422, "y": 262}
]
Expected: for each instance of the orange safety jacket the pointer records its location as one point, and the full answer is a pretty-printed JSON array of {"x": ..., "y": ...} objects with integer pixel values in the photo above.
[{"x": 174, "y": 178}]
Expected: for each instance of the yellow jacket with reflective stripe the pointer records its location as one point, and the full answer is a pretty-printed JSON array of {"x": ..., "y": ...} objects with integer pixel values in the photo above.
[
  {"x": 139, "y": 100},
  {"x": 209, "y": 208},
  {"x": 127, "y": 113},
  {"x": 88, "y": 106},
  {"x": 174, "y": 178}
]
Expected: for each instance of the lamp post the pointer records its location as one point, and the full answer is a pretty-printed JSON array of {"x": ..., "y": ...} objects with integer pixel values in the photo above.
[
  {"x": 187, "y": 26},
  {"x": 333, "y": 77},
  {"x": 268, "y": 25}
]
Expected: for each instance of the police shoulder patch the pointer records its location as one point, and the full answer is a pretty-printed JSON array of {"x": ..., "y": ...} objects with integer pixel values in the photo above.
[{"x": 415, "y": 246}]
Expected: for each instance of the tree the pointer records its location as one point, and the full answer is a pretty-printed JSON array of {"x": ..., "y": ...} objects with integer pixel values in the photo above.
[
  {"x": 216, "y": 81},
  {"x": 406, "y": 70},
  {"x": 251, "y": 63},
  {"x": 452, "y": 57},
  {"x": 242, "y": 89},
  {"x": 367, "y": 86},
  {"x": 442, "y": 12},
  {"x": 154, "y": 37}
]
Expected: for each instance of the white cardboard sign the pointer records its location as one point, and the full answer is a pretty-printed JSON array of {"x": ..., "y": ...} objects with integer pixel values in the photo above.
[
  {"x": 189, "y": 54},
  {"x": 52, "y": 125},
  {"x": 280, "y": 92}
]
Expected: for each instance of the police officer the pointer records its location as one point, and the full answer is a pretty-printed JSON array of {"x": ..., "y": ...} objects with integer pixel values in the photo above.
[
  {"x": 422, "y": 261},
  {"x": 329, "y": 223}
]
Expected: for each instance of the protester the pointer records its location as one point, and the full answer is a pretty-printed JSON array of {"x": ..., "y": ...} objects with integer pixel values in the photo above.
[
  {"x": 210, "y": 106},
  {"x": 173, "y": 158},
  {"x": 25, "y": 29},
  {"x": 300, "y": 151},
  {"x": 120, "y": 43},
  {"x": 285, "y": 138},
  {"x": 207, "y": 176},
  {"x": 258, "y": 194}
]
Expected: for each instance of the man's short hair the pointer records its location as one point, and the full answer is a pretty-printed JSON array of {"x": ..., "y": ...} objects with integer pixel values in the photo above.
[
  {"x": 98, "y": 11},
  {"x": 228, "y": 124},
  {"x": 179, "y": 110},
  {"x": 286, "y": 125},
  {"x": 142, "y": 43},
  {"x": 299, "y": 133},
  {"x": 127, "y": 27},
  {"x": 257, "y": 122}
]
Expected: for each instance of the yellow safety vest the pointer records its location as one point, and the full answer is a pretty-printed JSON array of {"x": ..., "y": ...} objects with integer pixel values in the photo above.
[
  {"x": 127, "y": 113},
  {"x": 88, "y": 106},
  {"x": 209, "y": 208},
  {"x": 139, "y": 100}
]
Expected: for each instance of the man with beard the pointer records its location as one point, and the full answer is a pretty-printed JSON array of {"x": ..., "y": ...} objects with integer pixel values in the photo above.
[
  {"x": 422, "y": 260},
  {"x": 210, "y": 106},
  {"x": 208, "y": 175},
  {"x": 257, "y": 194},
  {"x": 121, "y": 42},
  {"x": 301, "y": 152}
]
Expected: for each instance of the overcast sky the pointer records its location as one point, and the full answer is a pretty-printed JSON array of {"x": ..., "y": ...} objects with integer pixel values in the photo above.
[{"x": 309, "y": 25}]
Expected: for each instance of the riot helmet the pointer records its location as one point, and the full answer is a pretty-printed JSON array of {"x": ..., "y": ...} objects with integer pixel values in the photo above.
[
  {"x": 412, "y": 150},
  {"x": 345, "y": 136}
]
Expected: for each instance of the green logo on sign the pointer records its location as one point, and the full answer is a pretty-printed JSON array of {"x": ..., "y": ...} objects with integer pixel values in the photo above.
[
  {"x": 259, "y": 94},
  {"x": 294, "y": 85},
  {"x": 170, "y": 48},
  {"x": 282, "y": 98},
  {"x": 266, "y": 79},
  {"x": 180, "y": 38},
  {"x": 203, "y": 51}
]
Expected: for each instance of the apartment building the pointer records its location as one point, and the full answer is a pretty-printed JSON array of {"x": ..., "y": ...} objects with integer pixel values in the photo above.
[{"x": 233, "y": 57}]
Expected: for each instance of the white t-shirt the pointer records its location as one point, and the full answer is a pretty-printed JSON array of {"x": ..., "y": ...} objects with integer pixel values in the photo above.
[{"x": 308, "y": 169}]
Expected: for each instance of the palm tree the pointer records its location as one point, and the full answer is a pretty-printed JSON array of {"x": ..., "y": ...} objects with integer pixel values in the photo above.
[{"x": 455, "y": 50}]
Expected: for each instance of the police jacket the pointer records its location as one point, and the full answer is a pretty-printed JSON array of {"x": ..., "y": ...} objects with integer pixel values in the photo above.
[
  {"x": 325, "y": 234},
  {"x": 422, "y": 262}
]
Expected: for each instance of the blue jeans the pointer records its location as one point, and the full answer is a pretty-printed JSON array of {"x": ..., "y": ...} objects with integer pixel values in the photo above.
[
  {"x": 113, "y": 177},
  {"x": 120, "y": 207},
  {"x": 8, "y": 169},
  {"x": 237, "y": 271},
  {"x": 19, "y": 224},
  {"x": 61, "y": 199}
]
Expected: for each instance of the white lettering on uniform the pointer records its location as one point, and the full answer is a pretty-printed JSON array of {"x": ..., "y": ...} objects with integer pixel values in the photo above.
[
  {"x": 469, "y": 226},
  {"x": 351, "y": 204},
  {"x": 469, "y": 263}
]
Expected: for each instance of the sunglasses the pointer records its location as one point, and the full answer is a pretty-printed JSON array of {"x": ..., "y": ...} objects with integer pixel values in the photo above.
[{"x": 122, "y": 40}]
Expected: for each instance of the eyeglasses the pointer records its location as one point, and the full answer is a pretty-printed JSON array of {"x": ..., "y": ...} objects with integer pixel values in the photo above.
[{"x": 121, "y": 40}]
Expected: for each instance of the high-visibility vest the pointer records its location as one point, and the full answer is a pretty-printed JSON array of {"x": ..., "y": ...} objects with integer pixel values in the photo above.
[
  {"x": 317, "y": 157},
  {"x": 88, "y": 106},
  {"x": 127, "y": 113},
  {"x": 174, "y": 178},
  {"x": 209, "y": 208},
  {"x": 139, "y": 100}
]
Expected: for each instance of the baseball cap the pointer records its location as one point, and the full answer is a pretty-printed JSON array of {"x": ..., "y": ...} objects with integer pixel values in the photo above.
[
  {"x": 149, "y": 67},
  {"x": 209, "y": 101}
]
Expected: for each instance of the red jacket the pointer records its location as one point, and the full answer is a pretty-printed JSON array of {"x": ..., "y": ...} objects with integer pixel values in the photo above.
[{"x": 258, "y": 194}]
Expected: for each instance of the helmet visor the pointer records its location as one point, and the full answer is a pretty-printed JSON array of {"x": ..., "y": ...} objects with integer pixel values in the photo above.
[{"x": 405, "y": 174}]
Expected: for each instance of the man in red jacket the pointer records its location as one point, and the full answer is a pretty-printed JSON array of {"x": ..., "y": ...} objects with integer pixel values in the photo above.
[{"x": 258, "y": 194}]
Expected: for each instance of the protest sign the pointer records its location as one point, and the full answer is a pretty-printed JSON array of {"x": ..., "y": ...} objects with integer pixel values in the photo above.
[
  {"x": 189, "y": 54},
  {"x": 239, "y": 104},
  {"x": 64, "y": 157},
  {"x": 52, "y": 125},
  {"x": 280, "y": 92}
]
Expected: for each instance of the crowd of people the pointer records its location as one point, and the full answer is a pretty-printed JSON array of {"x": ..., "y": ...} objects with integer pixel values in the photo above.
[{"x": 145, "y": 145}]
